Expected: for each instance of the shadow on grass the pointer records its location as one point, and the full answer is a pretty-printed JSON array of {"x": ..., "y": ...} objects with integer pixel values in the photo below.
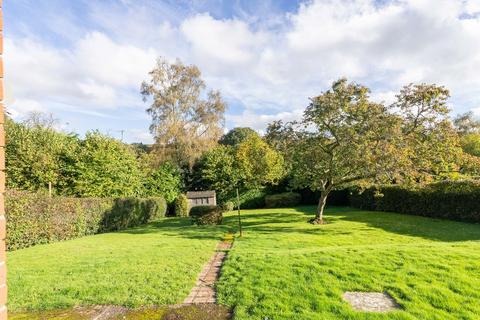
[
  {"x": 180, "y": 227},
  {"x": 408, "y": 225},
  {"x": 271, "y": 221},
  {"x": 417, "y": 226}
]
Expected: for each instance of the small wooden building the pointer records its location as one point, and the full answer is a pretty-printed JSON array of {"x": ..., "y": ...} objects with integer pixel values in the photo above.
[{"x": 202, "y": 198}]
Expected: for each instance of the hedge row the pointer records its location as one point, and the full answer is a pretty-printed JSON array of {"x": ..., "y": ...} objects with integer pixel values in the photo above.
[
  {"x": 453, "y": 200},
  {"x": 282, "y": 200},
  {"x": 34, "y": 218}
]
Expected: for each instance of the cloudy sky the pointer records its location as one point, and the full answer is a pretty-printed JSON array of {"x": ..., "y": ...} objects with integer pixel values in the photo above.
[{"x": 84, "y": 60}]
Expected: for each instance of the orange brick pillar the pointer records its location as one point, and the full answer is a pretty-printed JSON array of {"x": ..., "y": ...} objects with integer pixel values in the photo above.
[{"x": 3, "y": 267}]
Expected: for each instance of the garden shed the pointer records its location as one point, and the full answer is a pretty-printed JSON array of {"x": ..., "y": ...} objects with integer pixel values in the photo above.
[{"x": 202, "y": 198}]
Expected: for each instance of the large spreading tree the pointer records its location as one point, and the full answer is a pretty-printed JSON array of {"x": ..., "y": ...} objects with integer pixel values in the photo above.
[
  {"x": 344, "y": 138},
  {"x": 186, "y": 120}
]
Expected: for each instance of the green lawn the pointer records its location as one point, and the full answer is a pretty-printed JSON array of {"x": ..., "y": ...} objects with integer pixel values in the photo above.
[
  {"x": 283, "y": 267},
  {"x": 153, "y": 265}
]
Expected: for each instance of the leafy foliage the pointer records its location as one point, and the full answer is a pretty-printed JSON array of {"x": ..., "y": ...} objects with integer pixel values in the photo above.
[
  {"x": 34, "y": 218},
  {"x": 38, "y": 155},
  {"x": 165, "y": 181},
  {"x": 237, "y": 135},
  {"x": 107, "y": 168},
  {"x": 345, "y": 138},
  {"x": 203, "y": 215},
  {"x": 283, "y": 200},
  {"x": 454, "y": 200},
  {"x": 184, "y": 124},
  {"x": 181, "y": 206}
]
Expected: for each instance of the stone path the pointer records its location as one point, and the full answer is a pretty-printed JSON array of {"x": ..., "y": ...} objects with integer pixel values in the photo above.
[{"x": 204, "y": 290}]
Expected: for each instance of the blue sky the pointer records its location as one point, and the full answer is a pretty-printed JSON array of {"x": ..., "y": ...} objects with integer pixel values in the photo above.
[{"x": 84, "y": 61}]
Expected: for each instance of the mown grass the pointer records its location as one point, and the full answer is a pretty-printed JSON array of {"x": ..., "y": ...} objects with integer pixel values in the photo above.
[
  {"x": 152, "y": 265},
  {"x": 282, "y": 268},
  {"x": 285, "y": 268}
]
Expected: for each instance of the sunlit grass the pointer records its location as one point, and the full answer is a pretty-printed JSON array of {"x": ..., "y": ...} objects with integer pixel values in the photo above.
[
  {"x": 152, "y": 265},
  {"x": 285, "y": 268}
]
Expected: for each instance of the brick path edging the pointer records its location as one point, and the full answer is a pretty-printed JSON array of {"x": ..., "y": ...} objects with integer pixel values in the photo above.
[{"x": 204, "y": 290}]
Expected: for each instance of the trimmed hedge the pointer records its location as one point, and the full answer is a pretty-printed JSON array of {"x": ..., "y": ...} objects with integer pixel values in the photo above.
[
  {"x": 453, "y": 200},
  {"x": 282, "y": 200},
  {"x": 249, "y": 199},
  {"x": 203, "y": 215},
  {"x": 181, "y": 206},
  {"x": 34, "y": 218}
]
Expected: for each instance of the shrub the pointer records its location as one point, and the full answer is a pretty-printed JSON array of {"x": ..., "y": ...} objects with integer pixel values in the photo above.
[
  {"x": 34, "y": 218},
  {"x": 181, "y": 206},
  {"x": 203, "y": 215},
  {"x": 228, "y": 206},
  {"x": 454, "y": 200},
  {"x": 282, "y": 200},
  {"x": 249, "y": 199}
]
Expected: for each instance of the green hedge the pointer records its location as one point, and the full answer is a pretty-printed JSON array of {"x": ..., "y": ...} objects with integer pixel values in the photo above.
[
  {"x": 34, "y": 218},
  {"x": 454, "y": 200},
  {"x": 206, "y": 215},
  {"x": 282, "y": 200},
  {"x": 249, "y": 199}
]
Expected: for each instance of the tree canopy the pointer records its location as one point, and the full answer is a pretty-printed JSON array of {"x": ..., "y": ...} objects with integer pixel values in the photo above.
[
  {"x": 345, "y": 138},
  {"x": 237, "y": 135},
  {"x": 184, "y": 123}
]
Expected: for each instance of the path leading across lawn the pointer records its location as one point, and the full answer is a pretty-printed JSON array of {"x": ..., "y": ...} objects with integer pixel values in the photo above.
[{"x": 204, "y": 290}]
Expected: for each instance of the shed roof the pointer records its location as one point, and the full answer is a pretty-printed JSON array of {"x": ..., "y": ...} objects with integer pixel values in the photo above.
[{"x": 200, "y": 194}]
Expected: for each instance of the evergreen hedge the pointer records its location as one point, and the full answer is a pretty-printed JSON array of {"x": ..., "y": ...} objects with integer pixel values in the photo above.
[
  {"x": 34, "y": 218},
  {"x": 453, "y": 200},
  {"x": 283, "y": 200}
]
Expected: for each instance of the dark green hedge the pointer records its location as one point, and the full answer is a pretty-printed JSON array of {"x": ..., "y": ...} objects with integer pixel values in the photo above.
[
  {"x": 34, "y": 218},
  {"x": 206, "y": 215},
  {"x": 454, "y": 200},
  {"x": 282, "y": 200},
  {"x": 335, "y": 198},
  {"x": 249, "y": 199}
]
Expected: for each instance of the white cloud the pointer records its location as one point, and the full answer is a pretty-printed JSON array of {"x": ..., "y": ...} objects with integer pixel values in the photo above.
[
  {"x": 270, "y": 71},
  {"x": 22, "y": 107}
]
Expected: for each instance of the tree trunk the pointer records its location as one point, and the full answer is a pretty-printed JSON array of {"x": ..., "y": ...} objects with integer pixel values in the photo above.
[{"x": 321, "y": 205}]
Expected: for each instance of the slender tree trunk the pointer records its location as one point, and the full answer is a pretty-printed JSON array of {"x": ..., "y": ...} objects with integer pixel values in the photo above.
[{"x": 321, "y": 205}]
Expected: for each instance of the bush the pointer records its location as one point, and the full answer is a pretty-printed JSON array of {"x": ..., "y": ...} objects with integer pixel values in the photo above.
[
  {"x": 454, "y": 200},
  {"x": 249, "y": 199},
  {"x": 228, "y": 206},
  {"x": 181, "y": 206},
  {"x": 282, "y": 200},
  {"x": 203, "y": 215},
  {"x": 34, "y": 218}
]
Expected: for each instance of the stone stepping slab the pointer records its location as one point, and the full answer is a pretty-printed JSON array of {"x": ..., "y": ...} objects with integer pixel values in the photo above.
[{"x": 204, "y": 290}]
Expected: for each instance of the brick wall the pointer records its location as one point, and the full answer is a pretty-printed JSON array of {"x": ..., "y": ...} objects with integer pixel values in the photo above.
[{"x": 3, "y": 268}]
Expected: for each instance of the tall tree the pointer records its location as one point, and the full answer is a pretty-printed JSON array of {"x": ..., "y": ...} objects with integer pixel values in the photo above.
[
  {"x": 237, "y": 135},
  {"x": 183, "y": 122},
  {"x": 345, "y": 138}
]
